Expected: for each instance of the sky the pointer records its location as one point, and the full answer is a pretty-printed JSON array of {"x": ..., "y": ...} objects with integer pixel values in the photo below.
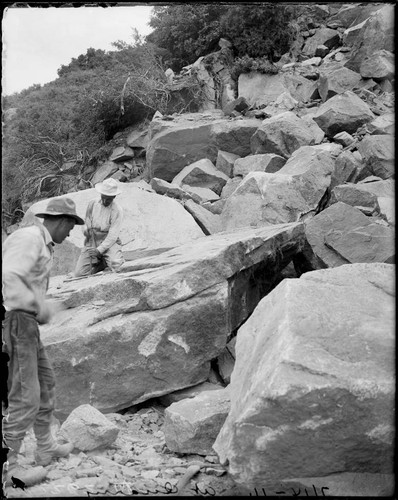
[{"x": 37, "y": 41}]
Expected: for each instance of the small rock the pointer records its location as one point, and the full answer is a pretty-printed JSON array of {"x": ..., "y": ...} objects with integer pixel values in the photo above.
[
  {"x": 213, "y": 459},
  {"x": 88, "y": 429}
]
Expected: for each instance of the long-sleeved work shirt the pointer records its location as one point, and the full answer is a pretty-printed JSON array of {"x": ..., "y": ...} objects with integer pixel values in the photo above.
[
  {"x": 103, "y": 224},
  {"x": 27, "y": 261}
]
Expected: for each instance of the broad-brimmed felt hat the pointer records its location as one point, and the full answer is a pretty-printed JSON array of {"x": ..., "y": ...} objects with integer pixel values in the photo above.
[
  {"x": 61, "y": 206},
  {"x": 109, "y": 187}
]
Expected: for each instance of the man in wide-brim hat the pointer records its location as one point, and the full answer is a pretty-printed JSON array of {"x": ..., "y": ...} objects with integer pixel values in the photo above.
[
  {"x": 102, "y": 246},
  {"x": 27, "y": 261}
]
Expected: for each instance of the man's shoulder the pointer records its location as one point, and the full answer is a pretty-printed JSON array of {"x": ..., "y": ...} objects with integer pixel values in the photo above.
[{"x": 26, "y": 233}]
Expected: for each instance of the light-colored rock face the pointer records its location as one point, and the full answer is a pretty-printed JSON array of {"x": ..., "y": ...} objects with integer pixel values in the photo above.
[
  {"x": 190, "y": 392},
  {"x": 343, "y": 112},
  {"x": 202, "y": 173},
  {"x": 200, "y": 194},
  {"x": 192, "y": 425},
  {"x": 154, "y": 327},
  {"x": 149, "y": 221},
  {"x": 313, "y": 388},
  {"x": 259, "y": 89},
  {"x": 342, "y": 234}
]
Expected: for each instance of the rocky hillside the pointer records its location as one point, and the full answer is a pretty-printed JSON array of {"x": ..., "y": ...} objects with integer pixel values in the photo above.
[{"x": 247, "y": 345}]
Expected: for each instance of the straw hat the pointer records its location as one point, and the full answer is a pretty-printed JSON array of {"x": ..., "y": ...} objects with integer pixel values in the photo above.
[
  {"x": 109, "y": 187},
  {"x": 61, "y": 206}
]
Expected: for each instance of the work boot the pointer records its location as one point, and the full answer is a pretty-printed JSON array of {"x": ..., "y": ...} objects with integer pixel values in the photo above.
[
  {"x": 17, "y": 476},
  {"x": 48, "y": 448}
]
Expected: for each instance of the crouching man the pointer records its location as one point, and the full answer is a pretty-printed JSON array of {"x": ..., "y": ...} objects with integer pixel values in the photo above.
[
  {"x": 27, "y": 262},
  {"x": 102, "y": 245}
]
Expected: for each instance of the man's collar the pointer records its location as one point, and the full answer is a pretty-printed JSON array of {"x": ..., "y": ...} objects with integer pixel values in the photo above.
[{"x": 47, "y": 236}]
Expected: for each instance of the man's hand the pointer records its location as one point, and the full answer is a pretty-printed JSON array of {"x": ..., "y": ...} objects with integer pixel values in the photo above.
[{"x": 93, "y": 252}]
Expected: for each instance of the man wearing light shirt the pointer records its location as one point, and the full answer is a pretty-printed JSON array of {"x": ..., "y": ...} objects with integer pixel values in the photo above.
[
  {"x": 103, "y": 223},
  {"x": 27, "y": 261}
]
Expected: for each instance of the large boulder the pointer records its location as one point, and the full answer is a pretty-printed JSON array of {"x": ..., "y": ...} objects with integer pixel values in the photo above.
[
  {"x": 192, "y": 425},
  {"x": 313, "y": 388},
  {"x": 342, "y": 112},
  {"x": 193, "y": 136},
  {"x": 297, "y": 188},
  {"x": 376, "y": 33},
  {"x": 282, "y": 135},
  {"x": 163, "y": 317},
  {"x": 149, "y": 221},
  {"x": 342, "y": 234},
  {"x": 377, "y": 152},
  {"x": 353, "y": 14},
  {"x": 336, "y": 80}
]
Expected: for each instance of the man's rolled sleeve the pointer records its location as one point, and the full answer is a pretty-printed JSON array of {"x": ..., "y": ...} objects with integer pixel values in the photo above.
[{"x": 20, "y": 256}]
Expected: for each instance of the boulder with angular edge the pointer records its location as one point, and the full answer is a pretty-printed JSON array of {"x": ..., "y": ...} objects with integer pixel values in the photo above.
[
  {"x": 313, "y": 388},
  {"x": 378, "y": 154},
  {"x": 88, "y": 429},
  {"x": 342, "y": 112},
  {"x": 154, "y": 327},
  {"x": 282, "y": 135},
  {"x": 202, "y": 173},
  {"x": 192, "y": 425},
  {"x": 342, "y": 234}
]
